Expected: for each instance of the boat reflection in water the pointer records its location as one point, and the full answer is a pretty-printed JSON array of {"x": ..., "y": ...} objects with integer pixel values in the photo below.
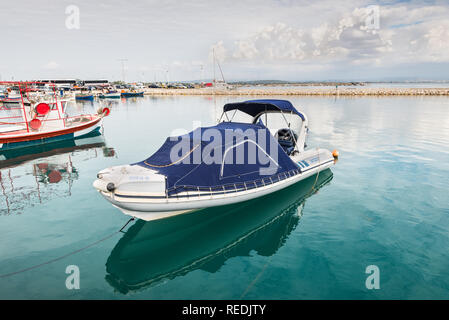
[
  {"x": 164, "y": 249},
  {"x": 31, "y": 176}
]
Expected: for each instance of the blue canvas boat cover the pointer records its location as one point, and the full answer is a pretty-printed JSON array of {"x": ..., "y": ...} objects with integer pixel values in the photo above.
[
  {"x": 224, "y": 156},
  {"x": 255, "y": 107}
]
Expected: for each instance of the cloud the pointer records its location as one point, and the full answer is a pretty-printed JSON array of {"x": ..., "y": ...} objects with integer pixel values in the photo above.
[
  {"x": 52, "y": 65},
  {"x": 259, "y": 38},
  {"x": 402, "y": 34}
]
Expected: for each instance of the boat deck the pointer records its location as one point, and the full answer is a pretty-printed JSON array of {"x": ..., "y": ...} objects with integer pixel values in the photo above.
[{"x": 10, "y": 133}]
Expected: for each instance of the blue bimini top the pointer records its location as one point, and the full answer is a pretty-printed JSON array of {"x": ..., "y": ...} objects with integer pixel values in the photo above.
[
  {"x": 255, "y": 107},
  {"x": 224, "y": 157}
]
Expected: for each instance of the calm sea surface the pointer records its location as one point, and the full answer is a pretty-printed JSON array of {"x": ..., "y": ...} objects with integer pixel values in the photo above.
[{"x": 385, "y": 203}]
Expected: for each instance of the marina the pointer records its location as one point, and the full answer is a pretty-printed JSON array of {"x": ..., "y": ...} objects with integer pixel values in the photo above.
[
  {"x": 211, "y": 154},
  {"x": 322, "y": 236}
]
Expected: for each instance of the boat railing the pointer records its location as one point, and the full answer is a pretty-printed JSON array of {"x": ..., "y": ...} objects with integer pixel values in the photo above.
[
  {"x": 234, "y": 187},
  {"x": 67, "y": 121}
]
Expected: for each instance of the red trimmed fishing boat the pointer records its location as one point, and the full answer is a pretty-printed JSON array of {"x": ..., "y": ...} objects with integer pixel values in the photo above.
[{"x": 41, "y": 118}]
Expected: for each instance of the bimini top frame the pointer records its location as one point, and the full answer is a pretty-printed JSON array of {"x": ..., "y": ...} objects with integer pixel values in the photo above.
[{"x": 255, "y": 108}]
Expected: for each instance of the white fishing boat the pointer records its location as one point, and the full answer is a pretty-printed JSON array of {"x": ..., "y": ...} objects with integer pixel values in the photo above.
[
  {"x": 41, "y": 119},
  {"x": 220, "y": 165}
]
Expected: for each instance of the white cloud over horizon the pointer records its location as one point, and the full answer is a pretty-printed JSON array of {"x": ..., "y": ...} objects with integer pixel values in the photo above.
[
  {"x": 347, "y": 38},
  {"x": 264, "y": 39}
]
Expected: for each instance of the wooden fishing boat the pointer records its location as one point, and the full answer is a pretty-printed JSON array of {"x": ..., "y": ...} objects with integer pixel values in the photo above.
[{"x": 43, "y": 120}]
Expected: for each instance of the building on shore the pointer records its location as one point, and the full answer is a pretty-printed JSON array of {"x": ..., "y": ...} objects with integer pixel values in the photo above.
[{"x": 77, "y": 82}]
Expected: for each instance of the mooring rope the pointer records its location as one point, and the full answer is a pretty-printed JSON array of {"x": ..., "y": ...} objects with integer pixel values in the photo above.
[{"x": 6, "y": 275}]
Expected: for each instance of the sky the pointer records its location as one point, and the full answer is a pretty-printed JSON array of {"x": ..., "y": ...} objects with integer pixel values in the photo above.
[{"x": 358, "y": 40}]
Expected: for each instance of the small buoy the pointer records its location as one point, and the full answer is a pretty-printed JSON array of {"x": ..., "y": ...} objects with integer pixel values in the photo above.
[
  {"x": 106, "y": 112},
  {"x": 335, "y": 153}
]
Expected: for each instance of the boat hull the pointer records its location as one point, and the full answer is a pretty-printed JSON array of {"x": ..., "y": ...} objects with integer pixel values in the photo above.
[
  {"x": 154, "y": 208},
  {"x": 110, "y": 96},
  {"x": 25, "y": 141},
  {"x": 89, "y": 97},
  {"x": 131, "y": 94}
]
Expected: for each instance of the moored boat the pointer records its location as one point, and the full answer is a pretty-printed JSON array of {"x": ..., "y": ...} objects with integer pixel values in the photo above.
[
  {"x": 219, "y": 165},
  {"x": 154, "y": 251},
  {"x": 82, "y": 96},
  {"x": 110, "y": 95},
  {"x": 44, "y": 120},
  {"x": 129, "y": 94}
]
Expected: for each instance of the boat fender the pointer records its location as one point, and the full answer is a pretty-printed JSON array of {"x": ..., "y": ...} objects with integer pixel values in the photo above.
[
  {"x": 42, "y": 109},
  {"x": 335, "y": 154},
  {"x": 35, "y": 124}
]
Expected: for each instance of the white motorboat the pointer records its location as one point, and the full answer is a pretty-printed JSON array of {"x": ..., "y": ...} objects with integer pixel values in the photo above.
[
  {"x": 111, "y": 94},
  {"x": 219, "y": 165}
]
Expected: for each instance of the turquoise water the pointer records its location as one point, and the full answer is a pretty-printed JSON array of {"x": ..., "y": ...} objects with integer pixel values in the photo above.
[{"x": 385, "y": 203}]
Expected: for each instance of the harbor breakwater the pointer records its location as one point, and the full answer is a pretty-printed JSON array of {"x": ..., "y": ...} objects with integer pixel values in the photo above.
[{"x": 303, "y": 91}]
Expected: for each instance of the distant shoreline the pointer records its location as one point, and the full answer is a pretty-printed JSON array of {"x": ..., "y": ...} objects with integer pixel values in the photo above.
[{"x": 303, "y": 91}]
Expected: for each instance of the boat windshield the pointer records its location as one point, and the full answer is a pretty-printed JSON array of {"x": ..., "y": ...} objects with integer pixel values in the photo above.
[
  {"x": 273, "y": 120},
  {"x": 236, "y": 116},
  {"x": 276, "y": 121}
]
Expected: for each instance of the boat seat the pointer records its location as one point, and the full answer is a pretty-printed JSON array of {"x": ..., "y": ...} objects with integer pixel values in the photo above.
[{"x": 286, "y": 139}]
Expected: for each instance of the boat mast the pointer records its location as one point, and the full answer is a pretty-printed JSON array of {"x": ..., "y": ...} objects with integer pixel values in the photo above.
[
  {"x": 213, "y": 53},
  {"x": 221, "y": 71},
  {"x": 219, "y": 67}
]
